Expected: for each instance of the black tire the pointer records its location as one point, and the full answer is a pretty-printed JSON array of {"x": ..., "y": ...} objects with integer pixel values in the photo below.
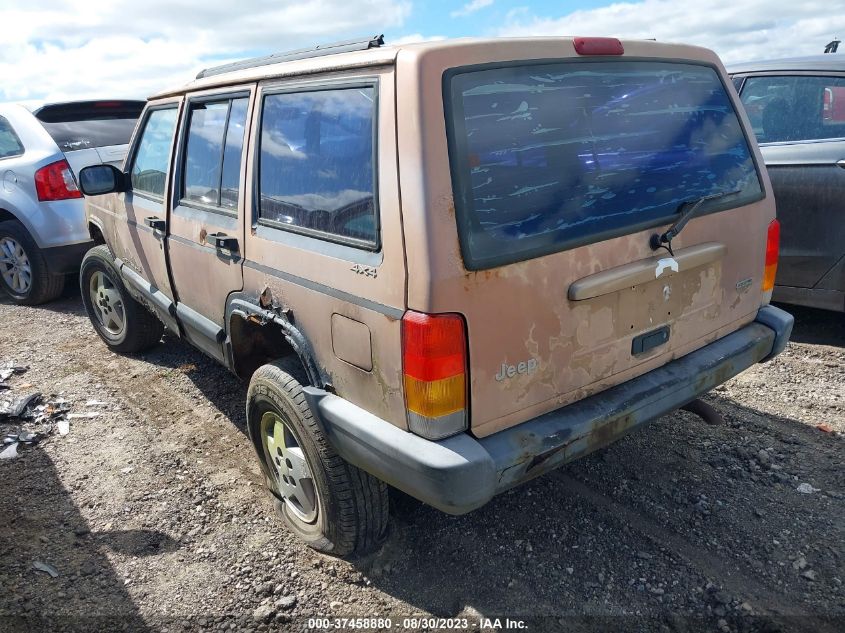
[
  {"x": 352, "y": 505},
  {"x": 141, "y": 329},
  {"x": 44, "y": 286}
]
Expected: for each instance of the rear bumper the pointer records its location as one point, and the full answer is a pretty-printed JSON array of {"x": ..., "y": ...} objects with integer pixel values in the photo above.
[
  {"x": 462, "y": 473},
  {"x": 65, "y": 259}
]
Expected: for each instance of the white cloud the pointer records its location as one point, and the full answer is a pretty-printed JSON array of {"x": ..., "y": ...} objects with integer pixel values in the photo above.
[
  {"x": 737, "y": 30},
  {"x": 471, "y": 7},
  {"x": 75, "y": 49},
  {"x": 415, "y": 38}
]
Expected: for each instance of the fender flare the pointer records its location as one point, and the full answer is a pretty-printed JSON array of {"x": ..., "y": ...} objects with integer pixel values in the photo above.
[{"x": 244, "y": 306}]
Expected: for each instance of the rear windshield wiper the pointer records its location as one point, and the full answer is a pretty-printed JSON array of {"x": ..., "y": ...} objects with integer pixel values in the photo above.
[{"x": 665, "y": 240}]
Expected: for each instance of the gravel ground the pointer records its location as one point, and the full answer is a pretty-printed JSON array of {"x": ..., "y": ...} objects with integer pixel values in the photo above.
[{"x": 155, "y": 517}]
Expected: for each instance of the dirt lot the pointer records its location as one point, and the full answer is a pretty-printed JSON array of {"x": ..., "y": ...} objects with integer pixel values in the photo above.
[{"x": 155, "y": 517}]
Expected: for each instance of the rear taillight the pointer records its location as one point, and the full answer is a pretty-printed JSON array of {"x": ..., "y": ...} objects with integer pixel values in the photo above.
[
  {"x": 56, "y": 182},
  {"x": 434, "y": 360},
  {"x": 772, "y": 247}
]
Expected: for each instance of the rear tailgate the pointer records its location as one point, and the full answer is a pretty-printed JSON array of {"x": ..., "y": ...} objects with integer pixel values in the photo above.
[
  {"x": 561, "y": 172},
  {"x": 113, "y": 155},
  {"x": 91, "y": 132}
]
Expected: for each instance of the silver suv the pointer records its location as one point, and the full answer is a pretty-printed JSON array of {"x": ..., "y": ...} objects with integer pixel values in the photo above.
[{"x": 43, "y": 233}]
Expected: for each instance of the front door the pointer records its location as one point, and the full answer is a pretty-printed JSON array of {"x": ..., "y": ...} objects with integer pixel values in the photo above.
[
  {"x": 143, "y": 206},
  {"x": 205, "y": 234}
]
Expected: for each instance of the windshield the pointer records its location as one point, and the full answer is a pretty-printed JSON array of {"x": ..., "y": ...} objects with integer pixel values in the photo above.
[{"x": 546, "y": 157}]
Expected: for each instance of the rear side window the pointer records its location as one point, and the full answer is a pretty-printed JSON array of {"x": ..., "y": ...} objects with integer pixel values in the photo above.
[
  {"x": 213, "y": 155},
  {"x": 316, "y": 172},
  {"x": 797, "y": 108},
  {"x": 149, "y": 165},
  {"x": 10, "y": 144},
  {"x": 547, "y": 157},
  {"x": 85, "y": 125}
]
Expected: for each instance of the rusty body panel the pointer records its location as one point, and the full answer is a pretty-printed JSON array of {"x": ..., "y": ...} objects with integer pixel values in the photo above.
[{"x": 520, "y": 312}]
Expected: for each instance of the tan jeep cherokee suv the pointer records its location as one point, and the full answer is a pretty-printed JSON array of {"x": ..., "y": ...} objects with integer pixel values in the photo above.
[{"x": 448, "y": 267}]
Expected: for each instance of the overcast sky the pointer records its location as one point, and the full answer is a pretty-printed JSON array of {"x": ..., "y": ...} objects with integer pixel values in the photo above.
[{"x": 73, "y": 49}]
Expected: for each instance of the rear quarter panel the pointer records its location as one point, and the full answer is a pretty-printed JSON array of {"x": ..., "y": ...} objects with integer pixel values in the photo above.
[{"x": 318, "y": 281}]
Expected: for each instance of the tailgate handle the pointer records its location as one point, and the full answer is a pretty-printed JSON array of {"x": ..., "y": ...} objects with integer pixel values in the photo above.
[
  {"x": 155, "y": 223},
  {"x": 222, "y": 241},
  {"x": 648, "y": 341},
  {"x": 644, "y": 271}
]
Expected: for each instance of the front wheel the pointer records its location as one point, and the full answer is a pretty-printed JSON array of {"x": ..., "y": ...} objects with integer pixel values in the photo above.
[
  {"x": 333, "y": 506},
  {"x": 124, "y": 324}
]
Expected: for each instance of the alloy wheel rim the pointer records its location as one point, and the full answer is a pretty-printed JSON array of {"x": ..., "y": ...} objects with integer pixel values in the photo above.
[
  {"x": 290, "y": 469},
  {"x": 15, "y": 267},
  {"x": 107, "y": 303}
]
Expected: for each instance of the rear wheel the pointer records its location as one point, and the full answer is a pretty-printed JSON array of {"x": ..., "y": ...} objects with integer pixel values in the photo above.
[
  {"x": 24, "y": 275},
  {"x": 124, "y": 324},
  {"x": 333, "y": 506}
]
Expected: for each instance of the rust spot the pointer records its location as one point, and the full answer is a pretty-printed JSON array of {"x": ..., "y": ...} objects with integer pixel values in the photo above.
[
  {"x": 203, "y": 235},
  {"x": 265, "y": 299},
  {"x": 604, "y": 434}
]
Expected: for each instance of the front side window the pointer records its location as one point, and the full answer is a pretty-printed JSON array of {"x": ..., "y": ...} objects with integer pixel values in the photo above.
[
  {"x": 546, "y": 157},
  {"x": 149, "y": 166},
  {"x": 213, "y": 152},
  {"x": 10, "y": 144},
  {"x": 316, "y": 171},
  {"x": 795, "y": 108}
]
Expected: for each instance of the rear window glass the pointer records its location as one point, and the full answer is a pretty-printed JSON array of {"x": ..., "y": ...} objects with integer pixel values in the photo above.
[
  {"x": 10, "y": 144},
  {"x": 316, "y": 173},
  {"x": 798, "y": 108},
  {"x": 547, "y": 157},
  {"x": 84, "y": 125},
  {"x": 213, "y": 154}
]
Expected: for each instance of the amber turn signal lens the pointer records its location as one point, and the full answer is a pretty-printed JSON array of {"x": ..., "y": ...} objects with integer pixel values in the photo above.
[{"x": 435, "y": 373}]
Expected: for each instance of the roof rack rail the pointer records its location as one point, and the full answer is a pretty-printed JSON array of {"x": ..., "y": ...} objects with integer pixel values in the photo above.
[{"x": 303, "y": 53}]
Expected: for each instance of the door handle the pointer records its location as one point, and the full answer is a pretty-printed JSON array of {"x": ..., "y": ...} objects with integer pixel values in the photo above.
[
  {"x": 222, "y": 241},
  {"x": 155, "y": 223}
]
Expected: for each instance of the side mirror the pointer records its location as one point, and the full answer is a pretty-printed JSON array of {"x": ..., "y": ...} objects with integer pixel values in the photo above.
[{"x": 97, "y": 180}]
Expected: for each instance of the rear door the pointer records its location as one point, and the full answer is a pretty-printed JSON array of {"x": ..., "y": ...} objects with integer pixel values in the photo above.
[
  {"x": 205, "y": 239},
  {"x": 560, "y": 173},
  {"x": 799, "y": 120}
]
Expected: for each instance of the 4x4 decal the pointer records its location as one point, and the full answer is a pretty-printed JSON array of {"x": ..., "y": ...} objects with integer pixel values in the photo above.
[{"x": 367, "y": 271}]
